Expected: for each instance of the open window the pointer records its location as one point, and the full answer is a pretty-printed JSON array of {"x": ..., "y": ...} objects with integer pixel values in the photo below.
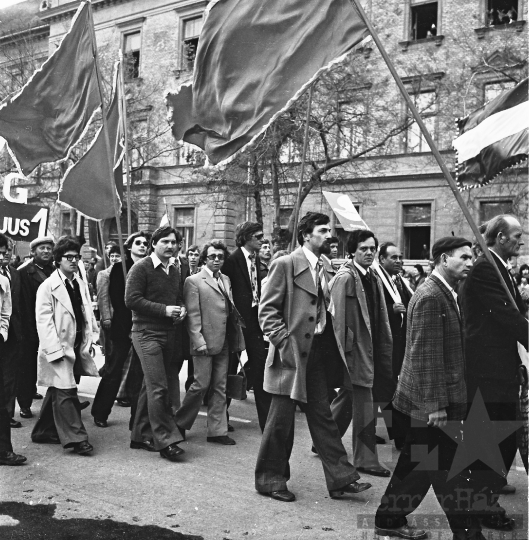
[
  {"x": 191, "y": 32},
  {"x": 132, "y": 53},
  {"x": 417, "y": 224},
  {"x": 424, "y": 20},
  {"x": 501, "y": 12}
]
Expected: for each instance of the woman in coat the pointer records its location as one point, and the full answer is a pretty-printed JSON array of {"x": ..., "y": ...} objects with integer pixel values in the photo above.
[{"x": 65, "y": 324}]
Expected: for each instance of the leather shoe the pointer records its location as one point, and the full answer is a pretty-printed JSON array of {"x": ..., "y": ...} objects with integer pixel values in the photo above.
[
  {"x": 499, "y": 522},
  {"x": 143, "y": 445},
  {"x": 171, "y": 452},
  {"x": 84, "y": 447},
  {"x": 100, "y": 423},
  {"x": 375, "y": 472},
  {"x": 353, "y": 487},
  {"x": 83, "y": 405},
  {"x": 406, "y": 531},
  {"x": 14, "y": 423},
  {"x": 10, "y": 458},
  {"x": 282, "y": 495},
  {"x": 123, "y": 402},
  {"x": 51, "y": 439},
  {"x": 231, "y": 429},
  {"x": 222, "y": 439},
  {"x": 37, "y": 396},
  {"x": 507, "y": 489},
  {"x": 25, "y": 412}
]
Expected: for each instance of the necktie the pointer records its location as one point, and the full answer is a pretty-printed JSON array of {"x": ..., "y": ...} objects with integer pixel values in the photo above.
[
  {"x": 324, "y": 299},
  {"x": 253, "y": 278},
  {"x": 6, "y": 273}
]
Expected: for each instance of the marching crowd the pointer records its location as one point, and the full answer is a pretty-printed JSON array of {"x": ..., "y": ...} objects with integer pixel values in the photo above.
[{"x": 339, "y": 341}]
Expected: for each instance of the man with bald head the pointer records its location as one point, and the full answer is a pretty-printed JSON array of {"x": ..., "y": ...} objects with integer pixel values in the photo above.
[{"x": 494, "y": 325}]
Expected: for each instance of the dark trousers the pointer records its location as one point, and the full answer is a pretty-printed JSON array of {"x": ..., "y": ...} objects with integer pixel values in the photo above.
[
  {"x": 383, "y": 390},
  {"x": 272, "y": 470},
  {"x": 159, "y": 398},
  {"x": 111, "y": 380},
  {"x": 60, "y": 416},
  {"x": 133, "y": 385},
  {"x": 254, "y": 367},
  {"x": 190, "y": 373},
  {"x": 27, "y": 380},
  {"x": 424, "y": 461},
  {"x": 10, "y": 358},
  {"x": 5, "y": 428}
]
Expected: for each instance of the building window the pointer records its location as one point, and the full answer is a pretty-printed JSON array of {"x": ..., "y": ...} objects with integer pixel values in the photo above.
[
  {"x": 66, "y": 223},
  {"x": 494, "y": 89},
  {"x": 284, "y": 217},
  {"x": 423, "y": 20},
  {"x": 132, "y": 48},
  {"x": 191, "y": 32},
  {"x": 490, "y": 209},
  {"x": 351, "y": 128},
  {"x": 501, "y": 12},
  {"x": 184, "y": 221},
  {"x": 417, "y": 221},
  {"x": 426, "y": 103}
]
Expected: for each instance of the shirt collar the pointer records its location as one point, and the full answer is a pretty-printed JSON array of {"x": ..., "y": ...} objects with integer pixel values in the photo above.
[
  {"x": 313, "y": 259},
  {"x": 361, "y": 269},
  {"x": 443, "y": 281},
  {"x": 507, "y": 265},
  {"x": 245, "y": 252},
  {"x": 157, "y": 262},
  {"x": 65, "y": 278},
  {"x": 210, "y": 272}
]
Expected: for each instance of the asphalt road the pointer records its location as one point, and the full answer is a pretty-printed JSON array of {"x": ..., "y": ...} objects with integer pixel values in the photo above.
[{"x": 209, "y": 494}]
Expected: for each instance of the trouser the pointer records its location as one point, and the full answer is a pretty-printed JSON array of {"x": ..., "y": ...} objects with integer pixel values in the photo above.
[
  {"x": 356, "y": 405},
  {"x": 60, "y": 416},
  {"x": 122, "y": 392},
  {"x": 111, "y": 380},
  {"x": 159, "y": 397},
  {"x": 10, "y": 358},
  {"x": 272, "y": 470},
  {"x": 210, "y": 376},
  {"x": 190, "y": 374},
  {"x": 27, "y": 380},
  {"x": 424, "y": 462},
  {"x": 383, "y": 391},
  {"x": 133, "y": 385},
  {"x": 5, "y": 428}
]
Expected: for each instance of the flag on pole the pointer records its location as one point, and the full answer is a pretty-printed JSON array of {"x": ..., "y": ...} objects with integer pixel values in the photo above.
[
  {"x": 254, "y": 60},
  {"x": 493, "y": 138},
  {"x": 86, "y": 185},
  {"x": 164, "y": 222},
  {"x": 49, "y": 115},
  {"x": 345, "y": 211}
]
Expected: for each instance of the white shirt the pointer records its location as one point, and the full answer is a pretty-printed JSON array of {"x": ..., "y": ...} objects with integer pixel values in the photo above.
[
  {"x": 217, "y": 279},
  {"x": 507, "y": 265},
  {"x": 361, "y": 269},
  {"x": 247, "y": 254},
  {"x": 445, "y": 283},
  {"x": 313, "y": 261},
  {"x": 157, "y": 262}
]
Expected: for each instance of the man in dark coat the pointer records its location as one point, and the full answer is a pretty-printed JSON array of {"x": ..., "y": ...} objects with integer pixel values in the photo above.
[
  {"x": 495, "y": 322},
  {"x": 243, "y": 269},
  {"x": 430, "y": 392},
  {"x": 32, "y": 275}
]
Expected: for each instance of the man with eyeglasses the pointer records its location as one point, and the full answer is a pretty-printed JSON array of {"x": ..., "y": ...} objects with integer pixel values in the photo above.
[
  {"x": 212, "y": 323},
  {"x": 32, "y": 274},
  {"x": 243, "y": 269},
  {"x": 65, "y": 325},
  {"x": 364, "y": 336},
  {"x": 118, "y": 329},
  {"x": 154, "y": 294}
]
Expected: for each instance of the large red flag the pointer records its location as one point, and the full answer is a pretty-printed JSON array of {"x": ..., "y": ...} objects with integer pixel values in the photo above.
[
  {"x": 47, "y": 117},
  {"x": 86, "y": 185},
  {"x": 254, "y": 59}
]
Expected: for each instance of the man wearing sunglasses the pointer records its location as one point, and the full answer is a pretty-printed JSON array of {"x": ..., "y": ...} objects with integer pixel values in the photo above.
[
  {"x": 118, "y": 329},
  {"x": 243, "y": 269}
]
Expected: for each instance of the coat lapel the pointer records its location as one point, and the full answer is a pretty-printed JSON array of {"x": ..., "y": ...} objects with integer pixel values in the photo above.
[
  {"x": 361, "y": 295},
  {"x": 241, "y": 259},
  {"x": 210, "y": 281},
  {"x": 58, "y": 290},
  {"x": 302, "y": 272},
  {"x": 448, "y": 294}
]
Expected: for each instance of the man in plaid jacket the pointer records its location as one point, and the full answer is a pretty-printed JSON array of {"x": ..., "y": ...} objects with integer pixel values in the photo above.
[{"x": 431, "y": 391}]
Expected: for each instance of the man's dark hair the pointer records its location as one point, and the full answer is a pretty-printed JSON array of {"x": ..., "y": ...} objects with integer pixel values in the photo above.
[
  {"x": 114, "y": 249},
  {"x": 4, "y": 241},
  {"x": 383, "y": 251},
  {"x": 217, "y": 244},
  {"x": 308, "y": 222},
  {"x": 64, "y": 244},
  {"x": 130, "y": 240},
  {"x": 333, "y": 240},
  {"x": 194, "y": 247},
  {"x": 245, "y": 231},
  {"x": 523, "y": 267},
  {"x": 495, "y": 226},
  {"x": 162, "y": 232},
  {"x": 360, "y": 235},
  {"x": 265, "y": 241}
]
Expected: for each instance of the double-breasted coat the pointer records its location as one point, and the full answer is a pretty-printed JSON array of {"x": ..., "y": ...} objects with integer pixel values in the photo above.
[
  {"x": 288, "y": 316},
  {"x": 56, "y": 329}
]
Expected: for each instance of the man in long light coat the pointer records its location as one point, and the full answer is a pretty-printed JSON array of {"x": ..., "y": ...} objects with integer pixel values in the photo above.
[{"x": 65, "y": 324}]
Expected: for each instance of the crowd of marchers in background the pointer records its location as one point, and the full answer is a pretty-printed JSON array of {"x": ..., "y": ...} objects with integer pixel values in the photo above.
[{"x": 344, "y": 339}]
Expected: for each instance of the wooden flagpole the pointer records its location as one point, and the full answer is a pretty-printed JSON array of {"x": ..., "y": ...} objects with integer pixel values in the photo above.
[
  {"x": 123, "y": 116},
  {"x": 297, "y": 208},
  {"x": 110, "y": 154},
  {"x": 433, "y": 146}
]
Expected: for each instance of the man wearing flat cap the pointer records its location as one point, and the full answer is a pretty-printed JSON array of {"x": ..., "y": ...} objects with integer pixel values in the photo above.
[
  {"x": 32, "y": 275},
  {"x": 431, "y": 391}
]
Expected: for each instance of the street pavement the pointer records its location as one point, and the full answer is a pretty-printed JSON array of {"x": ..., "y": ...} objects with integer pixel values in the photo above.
[{"x": 209, "y": 494}]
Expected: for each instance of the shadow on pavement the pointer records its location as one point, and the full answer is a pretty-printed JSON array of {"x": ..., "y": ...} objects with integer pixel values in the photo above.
[{"x": 37, "y": 522}]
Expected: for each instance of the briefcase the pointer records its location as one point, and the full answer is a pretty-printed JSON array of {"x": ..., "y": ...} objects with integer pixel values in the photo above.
[{"x": 236, "y": 384}]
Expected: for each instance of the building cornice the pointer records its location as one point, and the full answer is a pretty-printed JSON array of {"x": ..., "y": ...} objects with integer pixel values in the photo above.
[
  {"x": 35, "y": 33},
  {"x": 66, "y": 11}
]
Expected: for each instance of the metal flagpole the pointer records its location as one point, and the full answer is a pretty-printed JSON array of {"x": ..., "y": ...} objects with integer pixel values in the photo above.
[
  {"x": 433, "y": 146},
  {"x": 300, "y": 187},
  {"x": 123, "y": 116},
  {"x": 107, "y": 145}
]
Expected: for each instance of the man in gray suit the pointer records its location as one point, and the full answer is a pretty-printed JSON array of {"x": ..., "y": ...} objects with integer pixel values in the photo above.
[{"x": 212, "y": 323}]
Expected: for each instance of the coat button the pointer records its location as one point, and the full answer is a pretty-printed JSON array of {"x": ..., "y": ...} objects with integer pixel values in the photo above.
[
  {"x": 307, "y": 336},
  {"x": 304, "y": 354},
  {"x": 311, "y": 319}
]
